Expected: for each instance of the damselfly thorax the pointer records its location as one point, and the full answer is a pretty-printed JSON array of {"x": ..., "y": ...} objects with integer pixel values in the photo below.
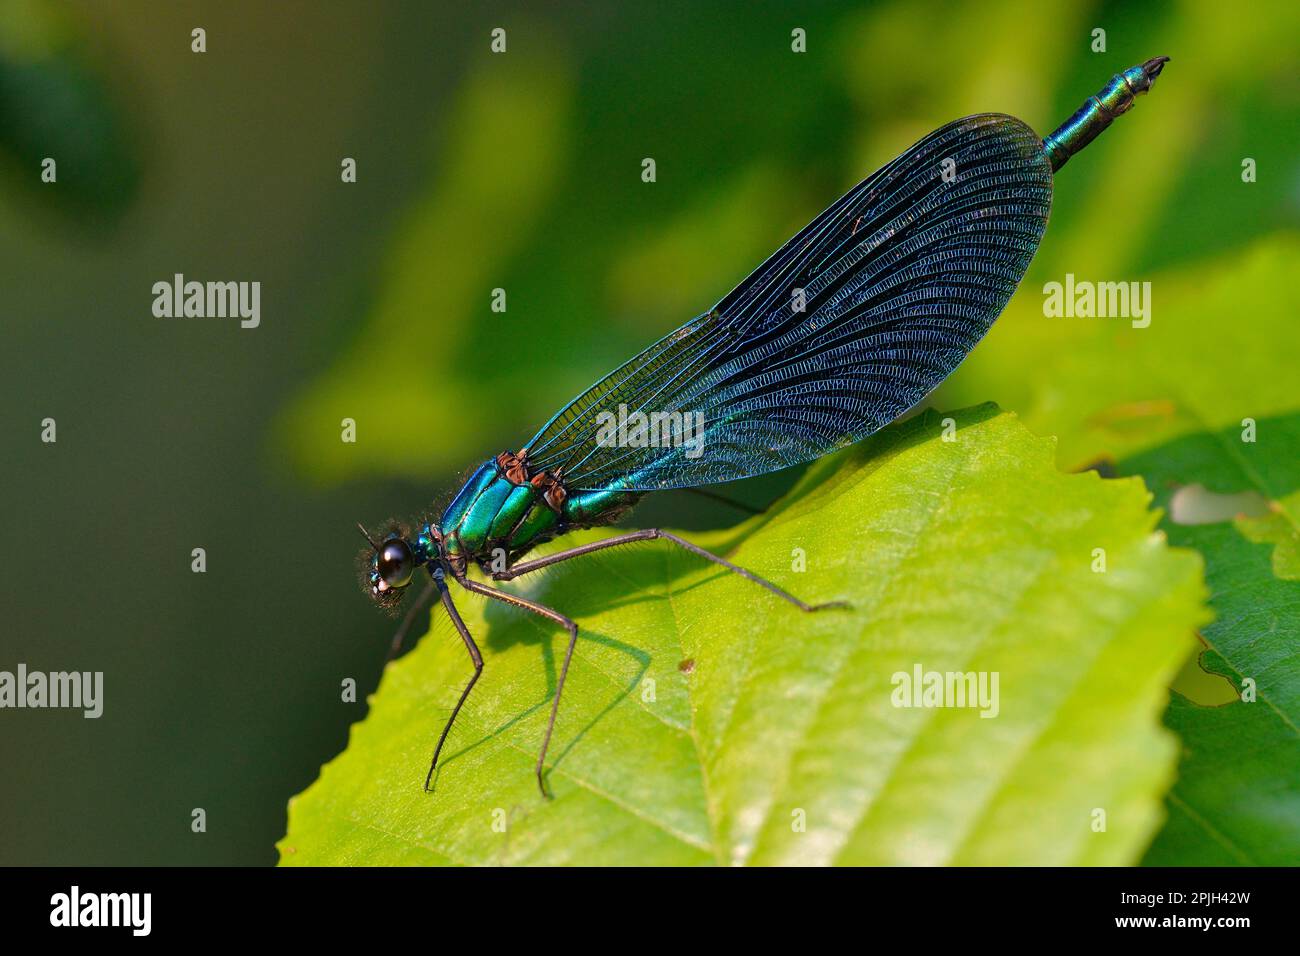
[{"x": 506, "y": 509}]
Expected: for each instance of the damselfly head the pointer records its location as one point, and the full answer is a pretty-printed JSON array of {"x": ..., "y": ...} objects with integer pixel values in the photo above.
[{"x": 388, "y": 566}]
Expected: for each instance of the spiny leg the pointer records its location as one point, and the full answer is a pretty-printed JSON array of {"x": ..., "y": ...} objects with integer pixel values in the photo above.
[
  {"x": 405, "y": 626},
  {"x": 650, "y": 534},
  {"x": 474, "y": 656},
  {"x": 570, "y": 625}
]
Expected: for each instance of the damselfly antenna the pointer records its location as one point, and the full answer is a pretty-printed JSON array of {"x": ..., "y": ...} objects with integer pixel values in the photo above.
[{"x": 366, "y": 534}]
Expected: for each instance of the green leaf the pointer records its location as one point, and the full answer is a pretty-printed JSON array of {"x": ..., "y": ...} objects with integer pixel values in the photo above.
[
  {"x": 1237, "y": 799},
  {"x": 704, "y": 719}
]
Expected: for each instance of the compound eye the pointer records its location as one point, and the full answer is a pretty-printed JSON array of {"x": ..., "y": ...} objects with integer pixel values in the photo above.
[{"x": 395, "y": 563}]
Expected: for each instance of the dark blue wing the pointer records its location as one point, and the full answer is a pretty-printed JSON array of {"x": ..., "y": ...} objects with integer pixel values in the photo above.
[{"x": 899, "y": 280}]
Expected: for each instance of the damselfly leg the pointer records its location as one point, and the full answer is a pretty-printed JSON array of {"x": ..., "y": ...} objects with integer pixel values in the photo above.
[
  {"x": 648, "y": 534},
  {"x": 651, "y": 534},
  {"x": 568, "y": 624},
  {"x": 474, "y": 656}
]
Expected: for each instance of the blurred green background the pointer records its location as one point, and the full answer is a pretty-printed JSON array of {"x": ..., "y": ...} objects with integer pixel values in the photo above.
[{"x": 475, "y": 171}]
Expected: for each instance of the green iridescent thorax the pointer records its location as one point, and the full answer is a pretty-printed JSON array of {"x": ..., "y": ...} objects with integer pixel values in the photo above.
[{"x": 495, "y": 510}]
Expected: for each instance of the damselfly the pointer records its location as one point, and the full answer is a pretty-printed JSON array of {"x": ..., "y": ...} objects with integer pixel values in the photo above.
[{"x": 846, "y": 327}]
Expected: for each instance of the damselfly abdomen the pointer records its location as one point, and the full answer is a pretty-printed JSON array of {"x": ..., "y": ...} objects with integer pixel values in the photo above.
[{"x": 847, "y": 326}]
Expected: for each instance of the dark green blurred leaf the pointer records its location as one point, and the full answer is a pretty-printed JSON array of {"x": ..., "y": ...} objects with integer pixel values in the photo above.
[
  {"x": 1237, "y": 799},
  {"x": 55, "y": 102}
]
